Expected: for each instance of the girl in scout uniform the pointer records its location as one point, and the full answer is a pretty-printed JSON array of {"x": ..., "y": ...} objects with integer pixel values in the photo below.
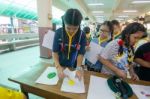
[
  {"x": 117, "y": 56},
  {"x": 69, "y": 43},
  {"x": 105, "y": 34},
  {"x": 106, "y": 30}
]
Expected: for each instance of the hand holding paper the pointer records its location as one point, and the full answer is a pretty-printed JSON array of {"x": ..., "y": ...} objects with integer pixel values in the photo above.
[
  {"x": 79, "y": 74},
  {"x": 71, "y": 83},
  {"x": 95, "y": 50},
  {"x": 60, "y": 72}
]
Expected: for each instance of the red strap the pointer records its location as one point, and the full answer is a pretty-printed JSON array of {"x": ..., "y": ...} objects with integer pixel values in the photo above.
[
  {"x": 62, "y": 47},
  {"x": 78, "y": 46}
]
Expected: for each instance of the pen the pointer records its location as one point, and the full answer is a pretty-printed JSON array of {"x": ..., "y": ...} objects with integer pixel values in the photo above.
[{"x": 147, "y": 95}]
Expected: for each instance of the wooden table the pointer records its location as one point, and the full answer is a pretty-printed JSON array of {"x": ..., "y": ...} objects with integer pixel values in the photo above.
[{"x": 28, "y": 85}]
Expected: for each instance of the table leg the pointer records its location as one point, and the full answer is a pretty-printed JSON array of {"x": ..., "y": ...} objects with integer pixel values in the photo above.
[{"x": 24, "y": 92}]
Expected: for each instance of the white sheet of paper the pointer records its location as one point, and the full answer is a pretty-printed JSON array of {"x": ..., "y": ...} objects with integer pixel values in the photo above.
[
  {"x": 92, "y": 54},
  {"x": 78, "y": 87},
  {"x": 99, "y": 89},
  {"x": 43, "y": 79},
  {"x": 137, "y": 89},
  {"x": 48, "y": 39}
]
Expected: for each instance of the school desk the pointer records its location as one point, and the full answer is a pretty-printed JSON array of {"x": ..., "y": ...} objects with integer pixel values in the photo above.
[{"x": 28, "y": 85}]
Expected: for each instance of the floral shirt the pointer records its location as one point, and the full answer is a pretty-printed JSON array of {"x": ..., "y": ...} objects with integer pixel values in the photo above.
[{"x": 110, "y": 52}]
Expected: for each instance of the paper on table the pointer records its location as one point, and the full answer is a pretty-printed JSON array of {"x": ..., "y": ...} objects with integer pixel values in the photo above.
[
  {"x": 76, "y": 86},
  {"x": 43, "y": 79},
  {"x": 98, "y": 89},
  {"x": 139, "y": 89},
  {"x": 91, "y": 55},
  {"x": 48, "y": 39}
]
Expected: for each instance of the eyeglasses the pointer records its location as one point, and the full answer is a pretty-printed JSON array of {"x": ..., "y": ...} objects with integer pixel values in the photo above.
[{"x": 103, "y": 31}]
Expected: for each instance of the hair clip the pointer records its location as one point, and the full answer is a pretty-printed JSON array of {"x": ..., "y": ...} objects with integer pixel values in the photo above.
[{"x": 120, "y": 42}]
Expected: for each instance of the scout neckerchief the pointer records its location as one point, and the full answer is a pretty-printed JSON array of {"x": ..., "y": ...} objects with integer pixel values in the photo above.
[
  {"x": 100, "y": 40},
  {"x": 77, "y": 49},
  {"x": 130, "y": 53},
  {"x": 130, "y": 56},
  {"x": 116, "y": 35},
  {"x": 70, "y": 42}
]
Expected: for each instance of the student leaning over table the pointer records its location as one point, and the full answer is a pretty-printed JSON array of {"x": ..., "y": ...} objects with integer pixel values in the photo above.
[
  {"x": 106, "y": 35},
  {"x": 69, "y": 43},
  {"x": 117, "y": 56}
]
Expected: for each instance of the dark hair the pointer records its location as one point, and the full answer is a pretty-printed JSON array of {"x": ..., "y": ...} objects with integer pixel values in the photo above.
[
  {"x": 86, "y": 30},
  {"x": 131, "y": 29},
  {"x": 141, "y": 19},
  {"x": 115, "y": 22},
  {"x": 125, "y": 35},
  {"x": 98, "y": 27},
  {"x": 110, "y": 26},
  {"x": 72, "y": 17}
]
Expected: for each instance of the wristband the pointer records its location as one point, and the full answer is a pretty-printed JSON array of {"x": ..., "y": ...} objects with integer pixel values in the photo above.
[{"x": 79, "y": 68}]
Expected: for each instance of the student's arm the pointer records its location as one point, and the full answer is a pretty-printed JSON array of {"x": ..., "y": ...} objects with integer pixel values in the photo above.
[
  {"x": 79, "y": 60},
  {"x": 56, "y": 59},
  {"x": 138, "y": 58},
  {"x": 108, "y": 53},
  {"x": 57, "y": 65},
  {"x": 132, "y": 73},
  {"x": 142, "y": 62},
  {"x": 79, "y": 72},
  {"x": 112, "y": 67},
  {"x": 79, "y": 69},
  {"x": 82, "y": 50},
  {"x": 56, "y": 48},
  {"x": 55, "y": 55}
]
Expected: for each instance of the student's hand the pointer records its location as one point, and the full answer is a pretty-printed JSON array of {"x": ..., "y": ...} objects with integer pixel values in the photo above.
[
  {"x": 60, "y": 72},
  {"x": 79, "y": 74},
  {"x": 87, "y": 48},
  {"x": 134, "y": 76},
  {"x": 121, "y": 74}
]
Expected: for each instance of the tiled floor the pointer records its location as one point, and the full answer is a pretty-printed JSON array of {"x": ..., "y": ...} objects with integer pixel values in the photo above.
[{"x": 17, "y": 62}]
